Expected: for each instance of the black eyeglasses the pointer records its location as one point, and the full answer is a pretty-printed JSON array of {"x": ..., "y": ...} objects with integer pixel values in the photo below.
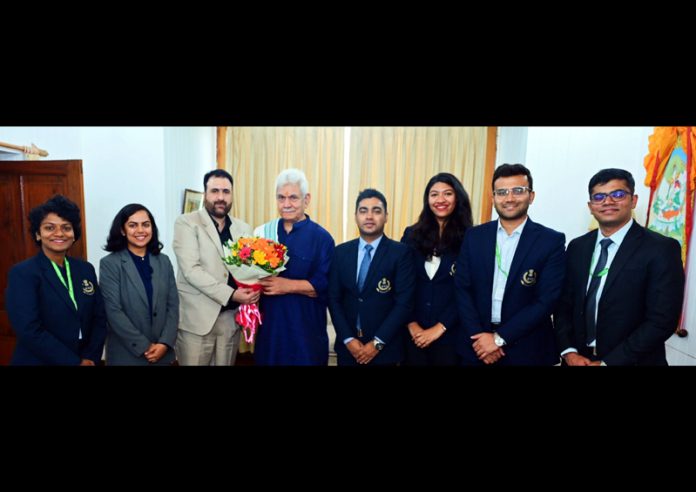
[
  {"x": 616, "y": 195},
  {"x": 516, "y": 191}
]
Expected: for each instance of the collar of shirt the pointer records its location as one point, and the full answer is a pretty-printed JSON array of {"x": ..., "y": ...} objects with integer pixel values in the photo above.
[
  {"x": 617, "y": 238},
  {"x": 375, "y": 244},
  {"x": 296, "y": 225},
  {"x": 361, "y": 251},
  {"x": 228, "y": 222},
  {"x": 518, "y": 230}
]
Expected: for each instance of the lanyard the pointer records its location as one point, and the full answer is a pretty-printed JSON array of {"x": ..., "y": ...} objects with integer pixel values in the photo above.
[
  {"x": 499, "y": 260},
  {"x": 62, "y": 280},
  {"x": 603, "y": 272}
]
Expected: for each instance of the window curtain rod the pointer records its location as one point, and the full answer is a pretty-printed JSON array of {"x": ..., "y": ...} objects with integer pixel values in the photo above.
[{"x": 25, "y": 148}]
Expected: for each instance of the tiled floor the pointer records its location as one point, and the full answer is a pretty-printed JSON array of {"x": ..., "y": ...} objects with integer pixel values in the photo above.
[
  {"x": 332, "y": 337},
  {"x": 680, "y": 350}
]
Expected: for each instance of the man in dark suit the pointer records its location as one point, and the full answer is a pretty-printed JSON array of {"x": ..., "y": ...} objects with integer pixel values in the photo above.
[
  {"x": 624, "y": 289},
  {"x": 371, "y": 287},
  {"x": 508, "y": 279}
]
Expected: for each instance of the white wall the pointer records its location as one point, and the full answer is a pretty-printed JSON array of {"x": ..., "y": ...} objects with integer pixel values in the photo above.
[
  {"x": 148, "y": 165},
  {"x": 121, "y": 165},
  {"x": 60, "y": 142},
  {"x": 512, "y": 147},
  {"x": 682, "y": 351},
  {"x": 562, "y": 161},
  {"x": 189, "y": 153}
]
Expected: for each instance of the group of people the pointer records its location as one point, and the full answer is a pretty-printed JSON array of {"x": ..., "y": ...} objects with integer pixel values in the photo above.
[{"x": 506, "y": 292}]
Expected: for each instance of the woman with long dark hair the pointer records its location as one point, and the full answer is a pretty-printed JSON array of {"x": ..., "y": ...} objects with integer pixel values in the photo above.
[
  {"x": 142, "y": 302},
  {"x": 435, "y": 240},
  {"x": 53, "y": 300}
]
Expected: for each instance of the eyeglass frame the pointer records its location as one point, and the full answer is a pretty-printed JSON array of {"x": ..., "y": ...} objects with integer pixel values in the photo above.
[
  {"x": 610, "y": 194},
  {"x": 508, "y": 190}
]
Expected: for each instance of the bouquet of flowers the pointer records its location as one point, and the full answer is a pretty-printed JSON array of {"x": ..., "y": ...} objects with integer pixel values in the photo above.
[{"x": 250, "y": 259}]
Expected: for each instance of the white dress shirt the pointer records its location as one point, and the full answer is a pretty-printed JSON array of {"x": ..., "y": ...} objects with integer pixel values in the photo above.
[{"x": 506, "y": 245}]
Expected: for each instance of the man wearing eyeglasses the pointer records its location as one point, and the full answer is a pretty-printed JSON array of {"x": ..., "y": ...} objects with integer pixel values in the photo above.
[
  {"x": 508, "y": 279},
  {"x": 624, "y": 289}
]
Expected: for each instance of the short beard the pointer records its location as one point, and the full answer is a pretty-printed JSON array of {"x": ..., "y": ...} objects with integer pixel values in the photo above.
[
  {"x": 210, "y": 207},
  {"x": 372, "y": 235}
]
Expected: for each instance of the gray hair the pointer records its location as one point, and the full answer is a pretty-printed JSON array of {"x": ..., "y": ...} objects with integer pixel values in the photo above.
[{"x": 292, "y": 176}]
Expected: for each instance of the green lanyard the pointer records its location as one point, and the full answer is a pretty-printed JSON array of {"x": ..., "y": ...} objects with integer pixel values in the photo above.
[
  {"x": 603, "y": 272},
  {"x": 62, "y": 280},
  {"x": 499, "y": 260}
]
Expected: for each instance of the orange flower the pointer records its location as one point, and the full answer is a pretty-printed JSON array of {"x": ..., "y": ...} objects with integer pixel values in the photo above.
[{"x": 256, "y": 252}]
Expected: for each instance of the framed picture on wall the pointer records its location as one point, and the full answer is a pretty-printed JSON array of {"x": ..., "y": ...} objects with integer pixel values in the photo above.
[{"x": 193, "y": 200}]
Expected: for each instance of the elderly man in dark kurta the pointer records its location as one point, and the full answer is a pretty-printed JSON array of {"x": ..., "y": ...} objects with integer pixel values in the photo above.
[{"x": 294, "y": 303}]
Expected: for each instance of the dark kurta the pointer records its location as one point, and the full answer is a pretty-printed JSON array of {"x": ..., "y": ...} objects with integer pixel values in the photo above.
[{"x": 294, "y": 325}]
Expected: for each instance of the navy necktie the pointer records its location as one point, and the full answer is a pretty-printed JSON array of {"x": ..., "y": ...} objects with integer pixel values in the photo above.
[
  {"x": 364, "y": 267},
  {"x": 591, "y": 299}
]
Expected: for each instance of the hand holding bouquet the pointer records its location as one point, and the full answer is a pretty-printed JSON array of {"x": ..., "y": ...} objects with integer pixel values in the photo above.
[{"x": 250, "y": 259}]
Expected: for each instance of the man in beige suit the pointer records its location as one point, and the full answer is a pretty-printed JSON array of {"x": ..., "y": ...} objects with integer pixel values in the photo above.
[{"x": 208, "y": 296}]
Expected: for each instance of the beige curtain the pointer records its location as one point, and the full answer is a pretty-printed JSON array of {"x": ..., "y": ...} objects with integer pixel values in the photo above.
[
  {"x": 399, "y": 161},
  {"x": 256, "y": 155}
]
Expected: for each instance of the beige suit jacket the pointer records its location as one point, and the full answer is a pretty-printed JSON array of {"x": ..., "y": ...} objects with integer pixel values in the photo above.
[{"x": 202, "y": 276}]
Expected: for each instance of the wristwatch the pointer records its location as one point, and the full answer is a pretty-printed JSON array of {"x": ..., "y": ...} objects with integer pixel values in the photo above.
[
  {"x": 378, "y": 345},
  {"x": 499, "y": 342}
]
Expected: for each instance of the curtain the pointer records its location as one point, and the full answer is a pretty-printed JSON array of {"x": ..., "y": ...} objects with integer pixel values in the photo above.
[
  {"x": 256, "y": 155},
  {"x": 399, "y": 162}
]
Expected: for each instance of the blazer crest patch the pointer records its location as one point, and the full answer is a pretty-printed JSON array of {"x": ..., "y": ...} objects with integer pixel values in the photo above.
[
  {"x": 87, "y": 287},
  {"x": 384, "y": 286},
  {"x": 529, "y": 278}
]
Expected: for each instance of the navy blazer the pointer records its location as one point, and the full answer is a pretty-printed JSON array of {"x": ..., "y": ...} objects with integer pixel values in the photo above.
[
  {"x": 532, "y": 289},
  {"x": 640, "y": 304},
  {"x": 44, "y": 318},
  {"x": 435, "y": 300},
  {"x": 384, "y": 304}
]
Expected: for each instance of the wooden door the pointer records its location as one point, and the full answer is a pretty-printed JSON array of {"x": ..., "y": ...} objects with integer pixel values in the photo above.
[{"x": 24, "y": 185}]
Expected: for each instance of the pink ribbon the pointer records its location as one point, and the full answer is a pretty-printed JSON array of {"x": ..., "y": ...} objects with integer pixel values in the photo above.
[{"x": 248, "y": 315}]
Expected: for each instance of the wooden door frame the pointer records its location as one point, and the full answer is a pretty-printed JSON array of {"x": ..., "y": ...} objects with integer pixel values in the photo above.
[
  {"x": 491, "y": 149},
  {"x": 72, "y": 186},
  {"x": 221, "y": 147}
]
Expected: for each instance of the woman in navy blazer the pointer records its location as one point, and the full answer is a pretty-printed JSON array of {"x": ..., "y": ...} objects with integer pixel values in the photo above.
[
  {"x": 142, "y": 302},
  {"x": 53, "y": 301},
  {"x": 435, "y": 240}
]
